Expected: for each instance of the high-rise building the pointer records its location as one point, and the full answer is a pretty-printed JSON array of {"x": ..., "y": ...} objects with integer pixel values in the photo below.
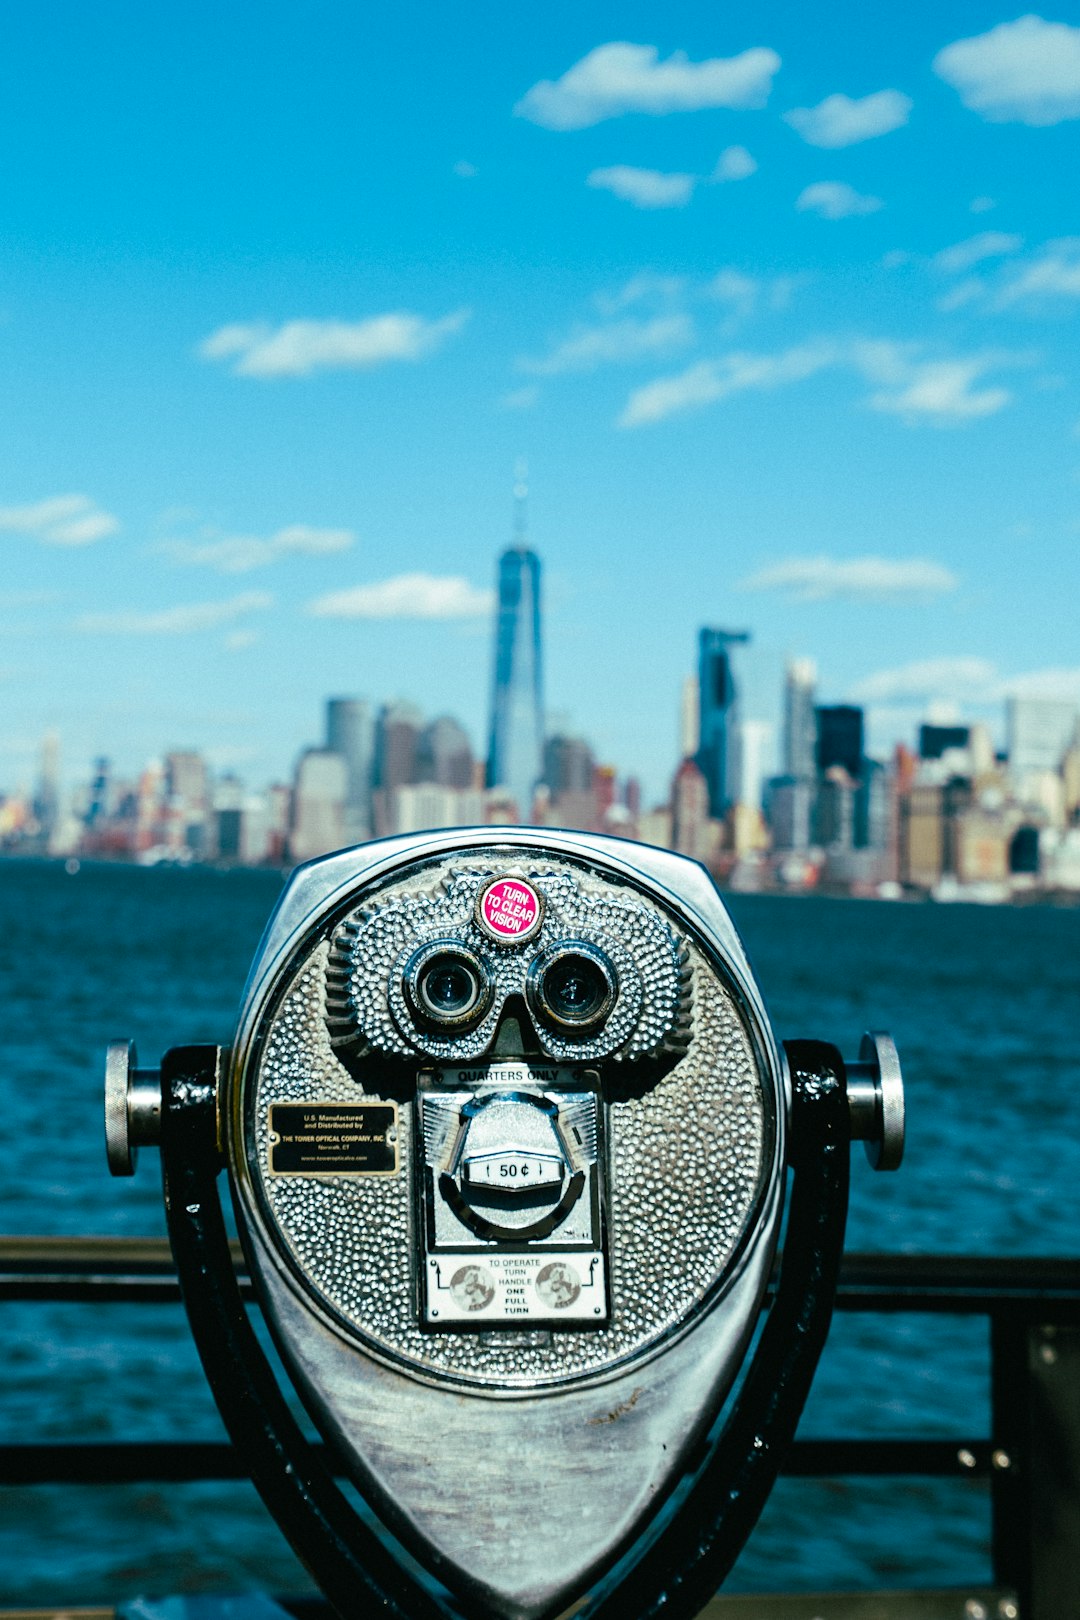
[
  {"x": 840, "y": 739},
  {"x": 718, "y": 715},
  {"x": 689, "y": 718},
  {"x": 318, "y": 804},
  {"x": 350, "y": 732},
  {"x": 690, "y": 812},
  {"x": 936, "y": 740},
  {"x": 47, "y": 800},
  {"x": 751, "y": 739},
  {"x": 515, "y": 760},
  {"x": 444, "y": 754},
  {"x": 397, "y": 734},
  {"x": 187, "y": 796},
  {"x": 568, "y": 765},
  {"x": 800, "y": 726},
  {"x": 1038, "y": 732}
]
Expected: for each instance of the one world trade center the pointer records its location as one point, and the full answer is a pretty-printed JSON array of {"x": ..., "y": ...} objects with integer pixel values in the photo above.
[{"x": 515, "y": 756}]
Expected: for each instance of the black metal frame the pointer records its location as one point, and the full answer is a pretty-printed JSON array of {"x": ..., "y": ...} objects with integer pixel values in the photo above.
[
  {"x": 1023, "y": 1299},
  {"x": 690, "y": 1550}
]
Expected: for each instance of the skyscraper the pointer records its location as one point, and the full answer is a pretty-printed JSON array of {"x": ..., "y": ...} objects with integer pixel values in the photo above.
[
  {"x": 718, "y": 716},
  {"x": 444, "y": 754},
  {"x": 351, "y": 733},
  {"x": 840, "y": 738},
  {"x": 515, "y": 756},
  {"x": 800, "y": 726}
]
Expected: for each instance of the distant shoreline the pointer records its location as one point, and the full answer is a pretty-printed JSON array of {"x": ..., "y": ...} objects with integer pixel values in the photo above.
[{"x": 1026, "y": 898}]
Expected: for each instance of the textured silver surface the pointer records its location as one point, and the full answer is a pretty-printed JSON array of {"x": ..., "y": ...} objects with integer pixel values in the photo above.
[
  {"x": 686, "y": 1151},
  {"x": 368, "y": 1009},
  {"x": 524, "y": 1497}
]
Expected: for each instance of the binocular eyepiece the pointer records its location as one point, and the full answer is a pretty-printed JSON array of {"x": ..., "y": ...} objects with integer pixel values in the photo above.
[{"x": 510, "y": 1140}]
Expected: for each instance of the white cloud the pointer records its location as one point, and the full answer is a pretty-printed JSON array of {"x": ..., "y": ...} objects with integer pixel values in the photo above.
[
  {"x": 744, "y": 294},
  {"x": 62, "y": 520},
  {"x": 1026, "y": 72},
  {"x": 1053, "y": 273},
  {"x": 645, "y": 188},
  {"x": 987, "y": 245},
  {"x": 713, "y": 380},
  {"x": 840, "y": 121},
  {"x": 962, "y": 293},
  {"x": 929, "y": 678},
  {"x": 620, "y": 78},
  {"x": 734, "y": 163},
  {"x": 939, "y": 391},
  {"x": 590, "y": 346},
  {"x": 736, "y": 288},
  {"x": 644, "y": 288},
  {"x": 835, "y": 199},
  {"x": 465, "y": 170},
  {"x": 298, "y": 348},
  {"x": 175, "y": 621},
  {"x": 906, "y": 383},
  {"x": 407, "y": 596},
  {"x": 1062, "y": 684},
  {"x": 981, "y": 205},
  {"x": 240, "y": 553},
  {"x": 822, "y": 579},
  {"x": 520, "y": 399}
]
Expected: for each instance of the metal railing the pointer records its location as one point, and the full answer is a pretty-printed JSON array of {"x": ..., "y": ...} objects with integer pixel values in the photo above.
[{"x": 1031, "y": 1457}]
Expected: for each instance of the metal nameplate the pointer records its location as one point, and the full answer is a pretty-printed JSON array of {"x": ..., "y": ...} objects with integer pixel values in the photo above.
[{"x": 333, "y": 1139}]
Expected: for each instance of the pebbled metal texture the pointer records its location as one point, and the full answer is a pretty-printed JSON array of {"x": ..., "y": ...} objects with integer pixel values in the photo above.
[
  {"x": 689, "y": 1143},
  {"x": 366, "y": 1009}
]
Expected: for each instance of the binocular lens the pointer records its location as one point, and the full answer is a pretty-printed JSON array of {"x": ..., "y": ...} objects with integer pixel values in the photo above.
[
  {"x": 449, "y": 988},
  {"x": 447, "y": 985},
  {"x": 574, "y": 988}
]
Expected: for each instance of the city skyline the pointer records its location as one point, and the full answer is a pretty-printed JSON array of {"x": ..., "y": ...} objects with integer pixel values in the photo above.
[{"x": 773, "y": 363}]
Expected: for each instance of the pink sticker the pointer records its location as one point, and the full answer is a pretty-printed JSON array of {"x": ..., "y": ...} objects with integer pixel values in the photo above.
[{"x": 510, "y": 909}]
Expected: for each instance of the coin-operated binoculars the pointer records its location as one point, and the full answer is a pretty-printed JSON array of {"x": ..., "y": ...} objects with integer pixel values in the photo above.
[{"x": 510, "y": 1141}]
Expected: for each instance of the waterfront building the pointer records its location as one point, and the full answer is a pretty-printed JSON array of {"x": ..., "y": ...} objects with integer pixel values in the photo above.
[
  {"x": 655, "y": 827},
  {"x": 47, "y": 799},
  {"x": 350, "y": 732},
  {"x": 1038, "y": 732},
  {"x": 834, "y": 810},
  {"x": 691, "y": 832},
  {"x": 751, "y": 740},
  {"x": 839, "y": 738},
  {"x": 568, "y": 765},
  {"x": 424, "y": 806},
  {"x": 689, "y": 718},
  {"x": 515, "y": 752},
  {"x": 800, "y": 724},
  {"x": 444, "y": 755},
  {"x": 789, "y": 807},
  {"x": 605, "y": 792},
  {"x": 981, "y": 846},
  {"x": 187, "y": 799},
  {"x": 718, "y": 717},
  {"x": 871, "y": 807},
  {"x": 397, "y": 738},
  {"x": 320, "y": 792},
  {"x": 936, "y": 740}
]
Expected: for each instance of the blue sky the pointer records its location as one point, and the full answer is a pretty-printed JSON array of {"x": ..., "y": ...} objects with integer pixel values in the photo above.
[{"x": 780, "y": 304}]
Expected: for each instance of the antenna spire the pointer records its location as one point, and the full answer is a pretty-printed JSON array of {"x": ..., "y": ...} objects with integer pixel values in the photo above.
[{"x": 521, "y": 495}]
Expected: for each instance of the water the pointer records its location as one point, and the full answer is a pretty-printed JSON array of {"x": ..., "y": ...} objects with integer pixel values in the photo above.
[{"x": 984, "y": 1005}]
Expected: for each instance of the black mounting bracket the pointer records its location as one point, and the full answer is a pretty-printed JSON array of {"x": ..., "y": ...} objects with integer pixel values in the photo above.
[{"x": 688, "y": 1551}]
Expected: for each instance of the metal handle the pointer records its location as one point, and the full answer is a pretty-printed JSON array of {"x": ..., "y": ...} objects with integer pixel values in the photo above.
[
  {"x": 876, "y": 1098},
  {"x": 132, "y": 1107}
]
